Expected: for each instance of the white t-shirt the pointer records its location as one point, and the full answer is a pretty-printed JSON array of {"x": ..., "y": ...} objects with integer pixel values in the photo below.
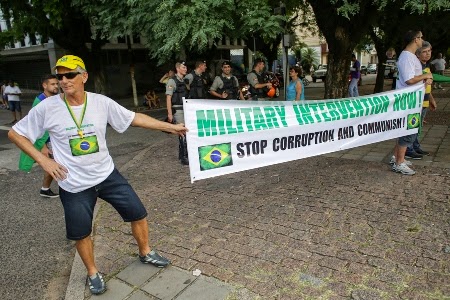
[
  {"x": 87, "y": 159},
  {"x": 408, "y": 66},
  {"x": 14, "y": 90},
  {"x": 439, "y": 64}
]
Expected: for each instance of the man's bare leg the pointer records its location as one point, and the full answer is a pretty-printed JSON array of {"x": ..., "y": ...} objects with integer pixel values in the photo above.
[
  {"x": 85, "y": 249},
  {"x": 47, "y": 180},
  {"x": 400, "y": 155},
  {"x": 140, "y": 233}
]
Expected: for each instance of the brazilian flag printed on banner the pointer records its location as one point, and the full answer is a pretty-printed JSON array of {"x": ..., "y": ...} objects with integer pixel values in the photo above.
[
  {"x": 215, "y": 156},
  {"x": 86, "y": 145},
  {"x": 413, "y": 121}
]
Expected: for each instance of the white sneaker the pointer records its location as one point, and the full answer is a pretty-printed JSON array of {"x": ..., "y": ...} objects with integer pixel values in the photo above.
[
  {"x": 392, "y": 161},
  {"x": 403, "y": 168}
]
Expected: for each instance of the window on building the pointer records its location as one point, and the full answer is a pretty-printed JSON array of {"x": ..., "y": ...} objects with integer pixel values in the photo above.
[
  {"x": 136, "y": 39},
  {"x": 33, "y": 39}
]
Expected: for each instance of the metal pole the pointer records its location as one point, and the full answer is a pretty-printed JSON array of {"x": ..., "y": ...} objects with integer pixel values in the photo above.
[
  {"x": 286, "y": 44},
  {"x": 133, "y": 81},
  {"x": 285, "y": 70}
]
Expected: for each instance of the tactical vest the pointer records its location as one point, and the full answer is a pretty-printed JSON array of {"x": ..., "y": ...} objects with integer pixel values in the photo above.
[
  {"x": 179, "y": 93},
  {"x": 259, "y": 93},
  {"x": 197, "y": 88},
  {"x": 229, "y": 87}
]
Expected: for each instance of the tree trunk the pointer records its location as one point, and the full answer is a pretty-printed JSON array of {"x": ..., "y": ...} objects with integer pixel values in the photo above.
[
  {"x": 381, "y": 67},
  {"x": 342, "y": 35},
  {"x": 336, "y": 82},
  {"x": 133, "y": 81},
  {"x": 381, "y": 53},
  {"x": 381, "y": 48},
  {"x": 97, "y": 67},
  {"x": 339, "y": 58}
]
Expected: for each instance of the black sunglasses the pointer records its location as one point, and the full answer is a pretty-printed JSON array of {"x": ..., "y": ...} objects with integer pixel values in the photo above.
[{"x": 69, "y": 75}]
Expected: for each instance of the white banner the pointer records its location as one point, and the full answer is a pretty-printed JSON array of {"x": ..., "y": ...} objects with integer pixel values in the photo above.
[{"x": 231, "y": 136}]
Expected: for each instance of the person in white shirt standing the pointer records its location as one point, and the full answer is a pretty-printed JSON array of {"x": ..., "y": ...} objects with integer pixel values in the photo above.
[
  {"x": 13, "y": 92},
  {"x": 76, "y": 121},
  {"x": 409, "y": 73},
  {"x": 439, "y": 66}
]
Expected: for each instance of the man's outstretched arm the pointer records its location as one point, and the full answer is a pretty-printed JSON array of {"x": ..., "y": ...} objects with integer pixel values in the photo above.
[{"x": 144, "y": 121}]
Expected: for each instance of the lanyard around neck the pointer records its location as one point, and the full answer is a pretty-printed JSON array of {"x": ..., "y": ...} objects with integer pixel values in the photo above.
[{"x": 80, "y": 131}]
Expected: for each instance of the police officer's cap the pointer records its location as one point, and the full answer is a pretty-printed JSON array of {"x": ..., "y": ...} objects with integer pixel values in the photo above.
[
  {"x": 258, "y": 60},
  {"x": 226, "y": 63},
  {"x": 182, "y": 62}
]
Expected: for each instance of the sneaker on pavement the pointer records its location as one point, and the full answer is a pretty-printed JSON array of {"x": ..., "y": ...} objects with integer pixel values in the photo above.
[
  {"x": 403, "y": 168},
  {"x": 421, "y": 152},
  {"x": 97, "y": 285},
  {"x": 392, "y": 161},
  {"x": 155, "y": 259},
  {"x": 48, "y": 194},
  {"x": 413, "y": 155}
]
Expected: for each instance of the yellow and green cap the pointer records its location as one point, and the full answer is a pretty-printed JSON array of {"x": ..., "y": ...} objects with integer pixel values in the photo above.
[{"x": 70, "y": 62}]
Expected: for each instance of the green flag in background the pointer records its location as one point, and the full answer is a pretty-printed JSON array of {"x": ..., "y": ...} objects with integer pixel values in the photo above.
[
  {"x": 215, "y": 156},
  {"x": 413, "y": 121},
  {"x": 440, "y": 78}
]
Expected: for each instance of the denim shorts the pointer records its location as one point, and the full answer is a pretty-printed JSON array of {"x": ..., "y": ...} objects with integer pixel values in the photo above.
[
  {"x": 15, "y": 106},
  {"x": 407, "y": 140},
  {"x": 79, "y": 207}
]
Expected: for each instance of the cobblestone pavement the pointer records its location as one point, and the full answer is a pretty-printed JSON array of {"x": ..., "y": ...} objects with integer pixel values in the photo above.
[
  {"x": 339, "y": 226},
  {"x": 317, "y": 228}
]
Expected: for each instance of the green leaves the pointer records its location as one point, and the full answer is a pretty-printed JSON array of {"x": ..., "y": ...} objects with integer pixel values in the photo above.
[{"x": 171, "y": 28}]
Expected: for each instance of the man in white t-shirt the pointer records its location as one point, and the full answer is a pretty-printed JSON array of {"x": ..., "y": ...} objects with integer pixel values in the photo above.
[
  {"x": 76, "y": 122},
  {"x": 439, "y": 66},
  {"x": 409, "y": 73},
  {"x": 13, "y": 92}
]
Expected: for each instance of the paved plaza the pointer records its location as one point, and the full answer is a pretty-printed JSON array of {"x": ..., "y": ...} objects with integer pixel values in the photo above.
[{"x": 337, "y": 226}]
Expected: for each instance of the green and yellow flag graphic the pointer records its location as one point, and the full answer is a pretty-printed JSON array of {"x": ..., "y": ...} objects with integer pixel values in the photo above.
[
  {"x": 215, "y": 156},
  {"x": 413, "y": 121},
  {"x": 86, "y": 145}
]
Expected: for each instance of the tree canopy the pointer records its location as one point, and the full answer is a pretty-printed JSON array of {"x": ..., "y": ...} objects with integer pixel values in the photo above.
[
  {"x": 345, "y": 23},
  {"x": 58, "y": 20},
  {"x": 171, "y": 29}
]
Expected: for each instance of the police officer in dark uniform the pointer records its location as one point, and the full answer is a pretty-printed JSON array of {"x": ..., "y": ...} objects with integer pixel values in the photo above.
[
  {"x": 196, "y": 82},
  {"x": 175, "y": 91},
  {"x": 258, "y": 86},
  {"x": 226, "y": 86}
]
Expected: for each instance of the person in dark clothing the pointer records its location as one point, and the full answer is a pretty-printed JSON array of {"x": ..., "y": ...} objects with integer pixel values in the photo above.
[
  {"x": 196, "y": 82},
  {"x": 258, "y": 87},
  {"x": 175, "y": 92},
  {"x": 226, "y": 86}
]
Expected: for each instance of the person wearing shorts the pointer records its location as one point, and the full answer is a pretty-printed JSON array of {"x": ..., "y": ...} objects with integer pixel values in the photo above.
[
  {"x": 13, "y": 93},
  {"x": 76, "y": 122},
  {"x": 409, "y": 73}
]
